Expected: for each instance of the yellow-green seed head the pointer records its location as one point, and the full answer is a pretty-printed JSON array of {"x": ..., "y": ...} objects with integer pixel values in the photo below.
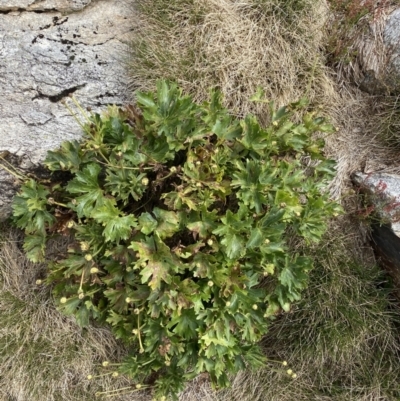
[
  {"x": 284, "y": 363},
  {"x": 145, "y": 181},
  {"x": 115, "y": 374},
  {"x": 94, "y": 270},
  {"x": 63, "y": 300},
  {"x": 89, "y": 377},
  {"x": 105, "y": 363},
  {"x": 81, "y": 295},
  {"x": 289, "y": 372},
  {"x": 38, "y": 282},
  {"x": 138, "y": 386},
  {"x": 255, "y": 307},
  {"x": 88, "y": 257},
  {"x": 84, "y": 245},
  {"x": 210, "y": 283}
]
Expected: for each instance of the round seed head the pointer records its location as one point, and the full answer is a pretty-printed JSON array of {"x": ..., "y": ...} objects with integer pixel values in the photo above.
[
  {"x": 63, "y": 300},
  {"x": 89, "y": 377},
  {"x": 289, "y": 372},
  {"x": 38, "y": 282},
  {"x": 145, "y": 181},
  {"x": 255, "y": 307},
  {"x": 210, "y": 283},
  {"x": 84, "y": 245},
  {"x": 81, "y": 295},
  {"x": 115, "y": 374},
  {"x": 88, "y": 257},
  {"x": 138, "y": 386},
  {"x": 284, "y": 363},
  {"x": 105, "y": 363}
]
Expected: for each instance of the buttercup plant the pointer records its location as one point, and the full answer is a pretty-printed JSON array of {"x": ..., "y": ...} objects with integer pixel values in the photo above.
[{"x": 182, "y": 220}]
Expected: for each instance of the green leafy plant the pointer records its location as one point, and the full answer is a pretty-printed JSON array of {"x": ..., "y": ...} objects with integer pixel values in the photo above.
[{"x": 185, "y": 225}]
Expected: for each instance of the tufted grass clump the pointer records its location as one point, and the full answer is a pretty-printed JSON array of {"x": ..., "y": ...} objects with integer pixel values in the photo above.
[
  {"x": 234, "y": 46},
  {"x": 186, "y": 226}
]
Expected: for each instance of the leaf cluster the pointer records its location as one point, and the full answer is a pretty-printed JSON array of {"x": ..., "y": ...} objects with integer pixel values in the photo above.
[{"x": 182, "y": 219}]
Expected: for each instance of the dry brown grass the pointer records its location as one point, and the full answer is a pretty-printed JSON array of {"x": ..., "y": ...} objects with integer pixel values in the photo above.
[{"x": 235, "y": 46}]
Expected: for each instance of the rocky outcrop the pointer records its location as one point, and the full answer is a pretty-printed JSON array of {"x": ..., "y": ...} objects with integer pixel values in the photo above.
[
  {"x": 382, "y": 192},
  {"x": 50, "y": 49},
  {"x": 377, "y": 44},
  {"x": 382, "y": 206}
]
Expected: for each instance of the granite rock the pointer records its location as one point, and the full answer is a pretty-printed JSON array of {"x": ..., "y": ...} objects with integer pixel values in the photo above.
[
  {"x": 383, "y": 192},
  {"x": 50, "y": 49},
  {"x": 377, "y": 68}
]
